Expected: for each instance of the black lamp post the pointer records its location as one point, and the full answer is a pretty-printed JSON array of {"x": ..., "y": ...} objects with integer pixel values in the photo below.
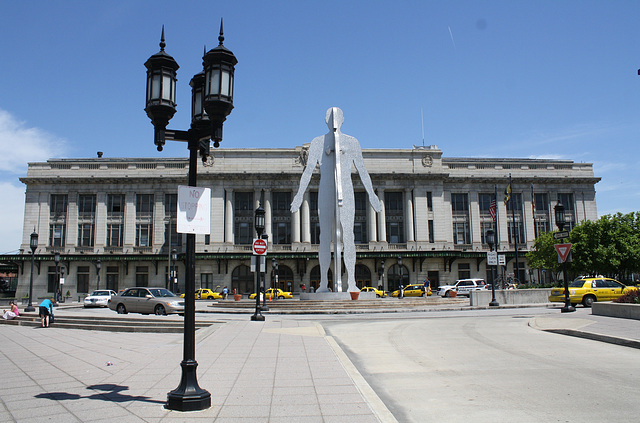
[
  {"x": 381, "y": 273},
  {"x": 274, "y": 266},
  {"x": 401, "y": 287},
  {"x": 212, "y": 101},
  {"x": 560, "y": 221},
  {"x": 491, "y": 240},
  {"x": 33, "y": 244},
  {"x": 58, "y": 294},
  {"x": 172, "y": 271},
  {"x": 259, "y": 224},
  {"x": 98, "y": 267}
]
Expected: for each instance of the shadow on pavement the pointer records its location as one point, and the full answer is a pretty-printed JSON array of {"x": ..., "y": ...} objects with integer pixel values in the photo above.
[{"x": 109, "y": 392}]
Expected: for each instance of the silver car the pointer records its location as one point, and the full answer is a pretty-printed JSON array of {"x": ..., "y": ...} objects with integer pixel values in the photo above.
[{"x": 146, "y": 300}]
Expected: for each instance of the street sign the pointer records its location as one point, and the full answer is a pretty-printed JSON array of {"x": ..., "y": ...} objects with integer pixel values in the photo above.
[
  {"x": 563, "y": 251},
  {"x": 561, "y": 235},
  {"x": 502, "y": 260},
  {"x": 492, "y": 258},
  {"x": 194, "y": 210},
  {"x": 259, "y": 247}
]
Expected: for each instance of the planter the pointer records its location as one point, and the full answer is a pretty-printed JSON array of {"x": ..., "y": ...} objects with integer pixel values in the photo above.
[
  {"x": 237, "y": 297},
  {"x": 453, "y": 294},
  {"x": 354, "y": 295}
]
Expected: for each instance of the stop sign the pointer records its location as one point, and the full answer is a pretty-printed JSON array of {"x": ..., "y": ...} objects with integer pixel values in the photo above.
[{"x": 259, "y": 247}]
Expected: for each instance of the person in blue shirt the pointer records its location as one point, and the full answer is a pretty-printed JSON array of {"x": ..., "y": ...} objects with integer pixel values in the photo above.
[{"x": 46, "y": 311}]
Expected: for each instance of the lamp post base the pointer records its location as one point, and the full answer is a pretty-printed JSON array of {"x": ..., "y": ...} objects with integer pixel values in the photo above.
[
  {"x": 188, "y": 396},
  {"x": 29, "y": 309},
  {"x": 257, "y": 318},
  {"x": 567, "y": 309},
  {"x": 494, "y": 303}
]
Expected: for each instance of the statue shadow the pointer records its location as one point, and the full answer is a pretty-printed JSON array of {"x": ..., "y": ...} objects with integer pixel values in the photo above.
[{"x": 106, "y": 392}]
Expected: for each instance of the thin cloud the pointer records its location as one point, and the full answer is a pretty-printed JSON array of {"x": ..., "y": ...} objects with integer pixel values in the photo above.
[{"x": 20, "y": 144}]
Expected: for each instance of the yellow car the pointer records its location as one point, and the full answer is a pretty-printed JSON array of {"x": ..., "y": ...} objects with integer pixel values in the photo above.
[
  {"x": 205, "y": 294},
  {"x": 280, "y": 294},
  {"x": 589, "y": 290},
  {"x": 416, "y": 290},
  {"x": 379, "y": 293}
]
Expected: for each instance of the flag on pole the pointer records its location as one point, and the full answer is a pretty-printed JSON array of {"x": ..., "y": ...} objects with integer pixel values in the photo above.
[
  {"x": 507, "y": 194},
  {"x": 492, "y": 210}
]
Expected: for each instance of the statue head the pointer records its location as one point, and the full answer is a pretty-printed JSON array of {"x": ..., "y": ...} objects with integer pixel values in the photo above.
[{"x": 334, "y": 118}]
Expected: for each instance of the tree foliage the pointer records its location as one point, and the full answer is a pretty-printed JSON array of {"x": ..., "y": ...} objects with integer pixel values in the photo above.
[{"x": 608, "y": 246}]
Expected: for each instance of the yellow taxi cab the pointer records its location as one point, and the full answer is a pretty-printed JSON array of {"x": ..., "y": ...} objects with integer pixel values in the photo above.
[
  {"x": 280, "y": 294},
  {"x": 589, "y": 290},
  {"x": 205, "y": 294},
  {"x": 379, "y": 293},
  {"x": 415, "y": 290}
]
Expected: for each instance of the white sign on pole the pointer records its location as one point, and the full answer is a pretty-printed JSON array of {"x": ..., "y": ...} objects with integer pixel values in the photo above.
[
  {"x": 492, "y": 258},
  {"x": 61, "y": 281},
  {"x": 194, "y": 210},
  {"x": 502, "y": 260}
]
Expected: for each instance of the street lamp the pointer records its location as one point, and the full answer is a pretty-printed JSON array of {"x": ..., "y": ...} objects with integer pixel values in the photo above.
[
  {"x": 400, "y": 293},
  {"x": 259, "y": 224},
  {"x": 98, "y": 267},
  {"x": 33, "y": 244},
  {"x": 491, "y": 240},
  {"x": 381, "y": 273},
  {"x": 214, "y": 94},
  {"x": 172, "y": 271},
  {"x": 560, "y": 222}
]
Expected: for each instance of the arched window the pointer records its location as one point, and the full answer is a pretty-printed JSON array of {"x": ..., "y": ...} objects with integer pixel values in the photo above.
[
  {"x": 393, "y": 276},
  {"x": 315, "y": 278},
  {"x": 363, "y": 276},
  {"x": 285, "y": 279},
  {"x": 242, "y": 280}
]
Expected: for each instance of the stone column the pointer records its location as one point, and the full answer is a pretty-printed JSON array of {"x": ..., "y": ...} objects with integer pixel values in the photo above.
[
  {"x": 101, "y": 220},
  {"x": 382, "y": 219},
  {"x": 371, "y": 224},
  {"x": 71, "y": 237},
  {"x": 129, "y": 219},
  {"x": 228, "y": 216},
  {"x": 268, "y": 215},
  {"x": 306, "y": 219},
  {"x": 408, "y": 212}
]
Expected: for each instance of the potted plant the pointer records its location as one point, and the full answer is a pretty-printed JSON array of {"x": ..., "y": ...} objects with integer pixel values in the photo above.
[{"x": 354, "y": 294}]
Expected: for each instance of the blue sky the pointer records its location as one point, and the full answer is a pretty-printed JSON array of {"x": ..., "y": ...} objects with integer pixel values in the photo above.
[{"x": 526, "y": 79}]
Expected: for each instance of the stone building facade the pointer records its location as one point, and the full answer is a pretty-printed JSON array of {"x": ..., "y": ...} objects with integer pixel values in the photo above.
[{"x": 121, "y": 213}]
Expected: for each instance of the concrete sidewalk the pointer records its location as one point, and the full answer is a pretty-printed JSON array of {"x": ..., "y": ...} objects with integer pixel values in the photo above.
[{"x": 273, "y": 371}]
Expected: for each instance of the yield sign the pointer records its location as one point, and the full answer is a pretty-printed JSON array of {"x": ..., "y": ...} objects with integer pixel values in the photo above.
[{"x": 563, "y": 251}]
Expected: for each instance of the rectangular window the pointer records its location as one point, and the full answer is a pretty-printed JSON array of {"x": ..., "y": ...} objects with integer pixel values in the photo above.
[
  {"x": 313, "y": 215},
  {"x": 394, "y": 210},
  {"x": 464, "y": 271},
  {"x": 144, "y": 220},
  {"x": 243, "y": 233},
  {"x": 58, "y": 220},
  {"x": 569, "y": 210},
  {"x": 360, "y": 223},
  {"x": 281, "y": 233},
  {"x": 112, "y": 278},
  {"x": 484, "y": 203},
  {"x": 58, "y": 204},
  {"x": 206, "y": 280},
  {"x": 459, "y": 204},
  {"x": 429, "y": 202},
  {"x": 144, "y": 233},
  {"x": 85, "y": 234},
  {"x": 86, "y": 205},
  {"x": 541, "y": 213},
  {"x": 115, "y": 204},
  {"x": 281, "y": 215},
  {"x": 171, "y": 205},
  {"x": 114, "y": 235},
  {"x": 515, "y": 223},
  {"x": 142, "y": 276},
  {"x": 52, "y": 279},
  {"x": 431, "y": 235},
  {"x": 460, "y": 214},
  {"x": 57, "y": 234},
  {"x": 83, "y": 279},
  {"x": 461, "y": 233},
  {"x": 144, "y": 204},
  {"x": 243, "y": 202}
]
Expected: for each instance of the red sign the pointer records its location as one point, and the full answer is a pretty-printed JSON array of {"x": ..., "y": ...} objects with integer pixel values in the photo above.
[
  {"x": 259, "y": 247},
  {"x": 563, "y": 251}
]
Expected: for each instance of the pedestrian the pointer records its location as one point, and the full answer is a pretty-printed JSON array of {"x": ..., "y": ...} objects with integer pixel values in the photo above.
[
  {"x": 46, "y": 312},
  {"x": 12, "y": 313},
  {"x": 225, "y": 293}
]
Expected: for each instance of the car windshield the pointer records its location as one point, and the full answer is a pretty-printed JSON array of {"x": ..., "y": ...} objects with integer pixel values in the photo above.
[
  {"x": 577, "y": 284},
  {"x": 100, "y": 293},
  {"x": 161, "y": 292}
]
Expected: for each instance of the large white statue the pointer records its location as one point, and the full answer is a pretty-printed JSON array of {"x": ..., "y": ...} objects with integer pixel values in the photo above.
[{"x": 336, "y": 203}]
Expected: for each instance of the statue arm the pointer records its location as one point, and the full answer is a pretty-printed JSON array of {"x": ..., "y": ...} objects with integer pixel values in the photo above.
[
  {"x": 315, "y": 152},
  {"x": 358, "y": 161}
]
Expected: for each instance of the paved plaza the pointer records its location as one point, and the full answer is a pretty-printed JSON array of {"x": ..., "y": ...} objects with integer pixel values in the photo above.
[{"x": 286, "y": 369}]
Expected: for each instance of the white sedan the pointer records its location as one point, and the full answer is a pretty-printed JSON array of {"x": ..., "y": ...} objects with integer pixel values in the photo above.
[{"x": 99, "y": 298}]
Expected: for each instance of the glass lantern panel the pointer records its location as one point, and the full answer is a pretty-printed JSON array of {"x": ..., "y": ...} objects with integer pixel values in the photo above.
[
  {"x": 166, "y": 88},
  {"x": 225, "y": 83},
  {"x": 230, "y": 85},
  {"x": 155, "y": 86},
  {"x": 197, "y": 103},
  {"x": 213, "y": 83}
]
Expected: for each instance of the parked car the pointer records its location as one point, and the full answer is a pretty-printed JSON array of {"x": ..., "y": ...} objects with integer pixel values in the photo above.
[
  {"x": 280, "y": 294},
  {"x": 462, "y": 287},
  {"x": 415, "y": 290},
  {"x": 379, "y": 293},
  {"x": 205, "y": 294},
  {"x": 146, "y": 301},
  {"x": 99, "y": 298},
  {"x": 589, "y": 290}
]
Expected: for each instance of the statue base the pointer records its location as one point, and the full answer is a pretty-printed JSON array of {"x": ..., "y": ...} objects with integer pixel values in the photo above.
[{"x": 334, "y": 296}]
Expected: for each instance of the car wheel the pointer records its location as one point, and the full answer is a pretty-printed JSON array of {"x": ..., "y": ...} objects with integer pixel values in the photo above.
[
  {"x": 281, "y": 297},
  {"x": 121, "y": 309},
  {"x": 447, "y": 294},
  {"x": 588, "y": 300},
  {"x": 159, "y": 310},
  {"x": 377, "y": 296},
  {"x": 422, "y": 294}
]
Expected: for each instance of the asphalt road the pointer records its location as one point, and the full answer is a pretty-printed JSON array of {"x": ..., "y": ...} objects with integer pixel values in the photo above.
[{"x": 489, "y": 366}]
